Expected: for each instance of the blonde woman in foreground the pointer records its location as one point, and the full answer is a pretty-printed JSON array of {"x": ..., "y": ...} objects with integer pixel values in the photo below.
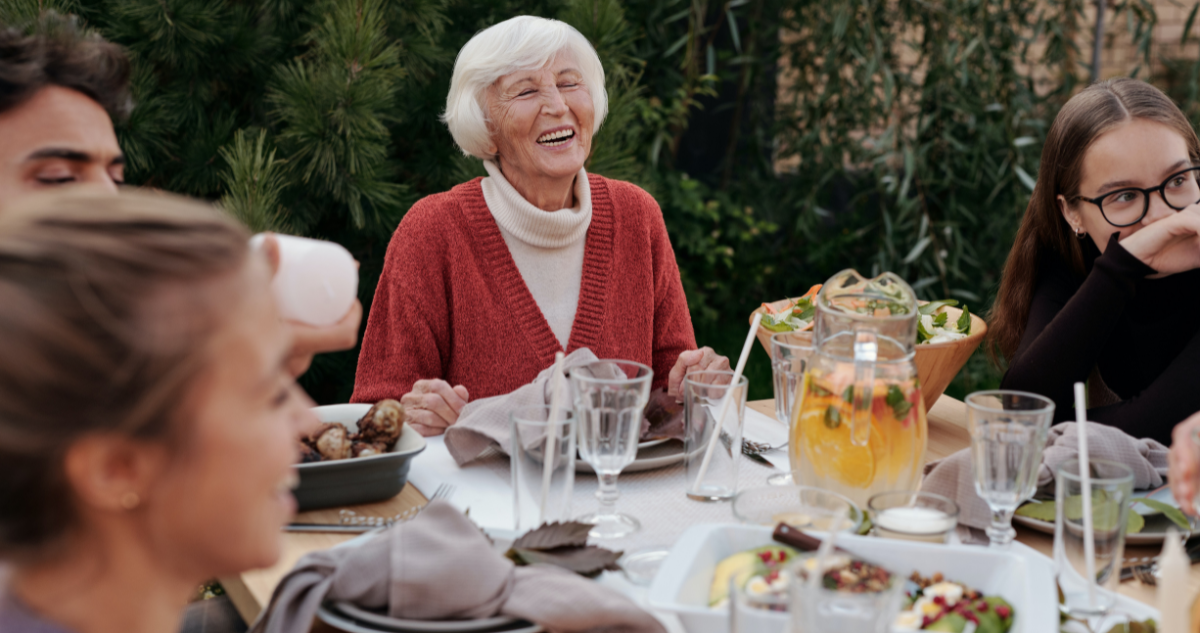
[{"x": 147, "y": 418}]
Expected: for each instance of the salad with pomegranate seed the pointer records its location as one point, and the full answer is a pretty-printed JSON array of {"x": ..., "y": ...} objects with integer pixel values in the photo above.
[{"x": 935, "y": 604}]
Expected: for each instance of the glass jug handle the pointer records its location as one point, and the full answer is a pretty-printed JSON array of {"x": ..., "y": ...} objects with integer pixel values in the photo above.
[{"x": 866, "y": 352}]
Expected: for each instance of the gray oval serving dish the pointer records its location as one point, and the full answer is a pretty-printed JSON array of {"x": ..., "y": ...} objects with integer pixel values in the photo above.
[{"x": 361, "y": 479}]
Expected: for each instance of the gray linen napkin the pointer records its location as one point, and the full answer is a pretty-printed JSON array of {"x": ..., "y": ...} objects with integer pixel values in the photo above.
[
  {"x": 483, "y": 424},
  {"x": 440, "y": 566},
  {"x": 1147, "y": 458}
]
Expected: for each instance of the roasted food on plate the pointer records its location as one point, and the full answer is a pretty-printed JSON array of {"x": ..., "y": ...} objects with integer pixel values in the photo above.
[{"x": 377, "y": 432}]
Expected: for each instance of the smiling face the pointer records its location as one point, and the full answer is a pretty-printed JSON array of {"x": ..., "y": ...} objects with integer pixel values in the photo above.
[
  {"x": 541, "y": 121},
  {"x": 219, "y": 505},
  {"x": 1136, "y": 153},
  {"x": 59, "y": 136}
]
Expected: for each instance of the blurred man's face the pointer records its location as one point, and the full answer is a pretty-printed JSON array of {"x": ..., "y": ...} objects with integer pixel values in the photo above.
[{"x": 58, "y": 137}]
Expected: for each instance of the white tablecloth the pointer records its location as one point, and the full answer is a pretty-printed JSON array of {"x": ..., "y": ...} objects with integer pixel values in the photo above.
[{"x": 656, "y": 497}]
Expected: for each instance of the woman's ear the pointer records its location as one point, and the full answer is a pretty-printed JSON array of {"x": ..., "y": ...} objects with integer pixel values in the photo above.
[
  {"x": 1070, "y": 215},
  {"x": 111, "y": 473}
]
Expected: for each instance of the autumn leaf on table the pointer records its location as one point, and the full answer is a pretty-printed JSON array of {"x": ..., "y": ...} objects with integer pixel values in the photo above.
[
  {"x": 563, "y": 545},
  {"x": 552, "y": 535}
]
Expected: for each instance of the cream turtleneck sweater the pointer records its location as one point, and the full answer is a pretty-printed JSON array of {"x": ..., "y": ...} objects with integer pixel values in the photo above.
[{"x": 547, "y": 246}]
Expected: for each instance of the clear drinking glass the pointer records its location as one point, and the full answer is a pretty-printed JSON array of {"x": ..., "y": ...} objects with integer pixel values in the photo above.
[
  {"x": 610, "y": 396},
  {"x": 913, "y": 516},
  {"x": 713, "y": 447},
  {"x": 539, "y": 499},
  {"x": 801, "y": 507},
  {"x": 789, "y": 361},
  {"x": 816, "y": 608},
  {"x": 757, "y": 612},
  {"x": 1008, "y": 434},
  {"x": 1112, "y": 487}
]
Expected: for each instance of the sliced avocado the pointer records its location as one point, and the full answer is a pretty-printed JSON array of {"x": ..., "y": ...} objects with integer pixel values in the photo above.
[
  {"x": 949, "y": 623},
  {"x": 742, "y": 566},
  {"x": 990, "y": 621}
]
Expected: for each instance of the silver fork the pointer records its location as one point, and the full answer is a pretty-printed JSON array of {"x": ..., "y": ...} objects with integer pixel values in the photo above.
[
  {"x": 750, "y": 447},
  {"x": 1146, "y": 574}
]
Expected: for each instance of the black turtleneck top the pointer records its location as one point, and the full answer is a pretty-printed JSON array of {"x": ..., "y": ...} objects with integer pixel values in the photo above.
[{"x": 1140, "y": 333}]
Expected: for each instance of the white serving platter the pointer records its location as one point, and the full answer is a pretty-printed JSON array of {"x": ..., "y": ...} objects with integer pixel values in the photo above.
[{"x": 1026, "y": 581}]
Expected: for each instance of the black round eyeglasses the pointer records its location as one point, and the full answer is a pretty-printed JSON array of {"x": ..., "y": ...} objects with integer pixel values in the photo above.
[{"x": 1126, "y": 207}]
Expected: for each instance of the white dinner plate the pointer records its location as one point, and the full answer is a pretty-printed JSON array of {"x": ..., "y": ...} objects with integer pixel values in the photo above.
[
  {"x": 650, "y": 456},
  {"x": 378, "y": 623},
  {"x": 1162, "y": 494}
]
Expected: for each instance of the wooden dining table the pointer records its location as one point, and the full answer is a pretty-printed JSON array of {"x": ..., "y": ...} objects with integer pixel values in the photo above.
[{"x": 251, "y": 591}]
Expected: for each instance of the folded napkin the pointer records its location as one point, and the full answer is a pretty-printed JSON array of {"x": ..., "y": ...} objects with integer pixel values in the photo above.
[
  {"x": 952, "y": 477},
  {"x": 439, "y": 566},
  {"x": 483, "y": 424}
]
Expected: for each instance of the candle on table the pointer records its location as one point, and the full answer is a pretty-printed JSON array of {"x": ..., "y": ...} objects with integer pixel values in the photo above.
[{"x": 914, "y": 523}]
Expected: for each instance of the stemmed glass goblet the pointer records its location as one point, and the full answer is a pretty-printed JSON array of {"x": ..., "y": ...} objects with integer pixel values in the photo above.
[
  {"x": 1008, "y": 434},
  {"x": 610, "y": 396}
]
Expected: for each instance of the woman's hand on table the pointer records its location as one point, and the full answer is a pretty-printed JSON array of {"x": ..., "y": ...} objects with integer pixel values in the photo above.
[
  {"x": 703, "y": 359},
  {"x": 1170, "y": 245},
  {"x": 1183, "y": 464},
  {"x": 433, "y": 405}
]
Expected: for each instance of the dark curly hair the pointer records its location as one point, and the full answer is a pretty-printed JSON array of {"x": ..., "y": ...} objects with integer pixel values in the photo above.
[{"x": 57, "y": 51}]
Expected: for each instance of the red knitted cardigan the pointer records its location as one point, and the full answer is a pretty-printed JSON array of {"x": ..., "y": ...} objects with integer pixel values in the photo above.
[{"x": 451, "y": 303}]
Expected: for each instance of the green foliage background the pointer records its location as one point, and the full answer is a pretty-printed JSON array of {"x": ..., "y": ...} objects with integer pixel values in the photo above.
[{"x": 907, "y": 137}]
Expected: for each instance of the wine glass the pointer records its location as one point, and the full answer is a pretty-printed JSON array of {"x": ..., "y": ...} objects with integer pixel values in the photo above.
[
  {"x": 1008, "y": 434},
  {"x": 609, "y": 398}
]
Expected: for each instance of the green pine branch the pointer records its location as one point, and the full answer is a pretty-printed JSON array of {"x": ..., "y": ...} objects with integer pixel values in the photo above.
[{"x": 254, "y": 180}]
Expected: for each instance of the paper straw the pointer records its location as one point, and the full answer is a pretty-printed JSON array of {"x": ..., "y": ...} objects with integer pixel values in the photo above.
[
  {"x": 1085, "y": 480},
  {"x": 737, "y": 375},
  {"x": 551, "y": 433}
]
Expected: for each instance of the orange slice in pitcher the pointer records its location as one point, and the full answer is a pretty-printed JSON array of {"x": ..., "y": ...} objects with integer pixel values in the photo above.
[{"x": 829, "y": 449}]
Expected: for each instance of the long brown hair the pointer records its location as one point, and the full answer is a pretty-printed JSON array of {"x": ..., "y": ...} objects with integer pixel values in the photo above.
[
  {"x": 106, "y": 306},
  {"x": 1094, "y": 111}
]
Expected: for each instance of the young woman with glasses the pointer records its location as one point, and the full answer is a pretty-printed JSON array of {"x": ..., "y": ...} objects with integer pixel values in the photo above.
[{"x": 1102, "y": 284}]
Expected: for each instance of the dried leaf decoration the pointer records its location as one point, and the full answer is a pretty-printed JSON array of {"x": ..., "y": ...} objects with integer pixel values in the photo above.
[
  {"x": 552, "y": 535},
  {"x": 563, "y": 545}
]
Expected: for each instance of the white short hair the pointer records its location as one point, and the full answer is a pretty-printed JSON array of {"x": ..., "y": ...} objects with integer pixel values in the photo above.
[{"x": 525, "y": 42}]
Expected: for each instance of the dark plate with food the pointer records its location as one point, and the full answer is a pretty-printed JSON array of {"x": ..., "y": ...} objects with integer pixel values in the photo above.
[{"x": 361, "y": 453}]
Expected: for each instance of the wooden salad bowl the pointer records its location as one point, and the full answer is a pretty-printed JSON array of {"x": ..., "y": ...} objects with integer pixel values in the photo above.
[{"x": 937, "y": 363}]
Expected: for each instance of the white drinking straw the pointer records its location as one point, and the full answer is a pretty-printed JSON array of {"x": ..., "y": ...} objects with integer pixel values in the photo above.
[
  {"x": 551, "y": 432},
  {"x": 737, "y": 375},
  {"x": 1085, "y": 480}
]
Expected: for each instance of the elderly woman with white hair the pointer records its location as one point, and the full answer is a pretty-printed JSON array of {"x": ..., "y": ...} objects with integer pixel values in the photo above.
[{"x": 483, "y": 284}]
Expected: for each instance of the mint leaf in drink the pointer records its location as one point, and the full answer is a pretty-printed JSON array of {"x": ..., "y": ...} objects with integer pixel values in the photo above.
[{"x": 833, "y": 418}]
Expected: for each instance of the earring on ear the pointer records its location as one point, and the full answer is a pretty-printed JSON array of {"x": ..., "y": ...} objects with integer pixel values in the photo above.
[
  {"x": 130, "y": 500},
  {"x": 1080, "y": 234}
]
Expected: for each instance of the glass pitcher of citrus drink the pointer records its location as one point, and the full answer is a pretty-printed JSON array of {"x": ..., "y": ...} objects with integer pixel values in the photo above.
[{"x": 859, "y": 425}]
